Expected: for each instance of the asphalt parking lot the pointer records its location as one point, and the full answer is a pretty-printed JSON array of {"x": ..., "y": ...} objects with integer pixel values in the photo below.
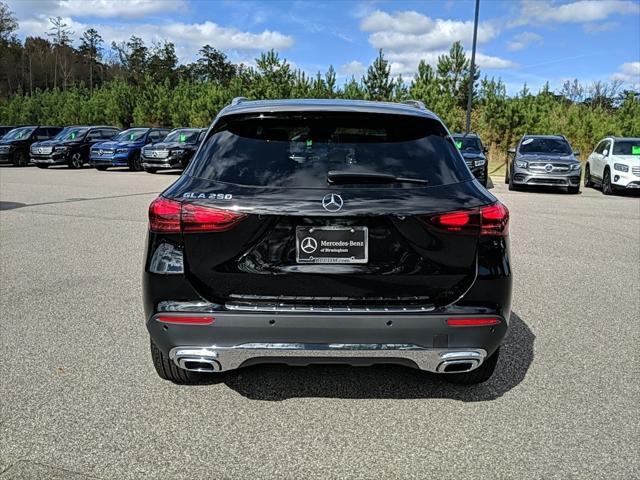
[{"x": 79, "y": 397}]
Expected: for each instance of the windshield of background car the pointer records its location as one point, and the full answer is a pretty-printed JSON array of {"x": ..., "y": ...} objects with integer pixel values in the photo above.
[
  {"x": 131, "y": 135},
  {"x": 183, "y": 136},
  {"x": 297, "y": 150},
  {"x": 545, "y": 145},
  {"x": 71, "y": 134},
  {"x": 626, "y": 147},
  {"x": 467, "y": 144},
  {"x": 21, "y": 133}
]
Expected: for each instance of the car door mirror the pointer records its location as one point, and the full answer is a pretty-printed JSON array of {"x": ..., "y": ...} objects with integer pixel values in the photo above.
[
  {"x": 512, "y": 151},
  {"x": 576, "y": 153},
  {"x": 485, "y": 150},
  {"x": 605, "y": 152}
]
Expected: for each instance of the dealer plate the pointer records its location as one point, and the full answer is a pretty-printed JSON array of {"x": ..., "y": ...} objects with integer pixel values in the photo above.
[{"x": 332, "y": 244}]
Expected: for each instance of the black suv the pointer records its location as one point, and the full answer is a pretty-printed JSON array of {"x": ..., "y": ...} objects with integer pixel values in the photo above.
[
  {"x": 15, "y": 145},
  {"x": 544, "y": 160},
  {"x": 175, "y": 151},
  {"x": 327, "y": 231},
  {"x": 71, "y": 146},
  {"x": 474, "y": 154}
]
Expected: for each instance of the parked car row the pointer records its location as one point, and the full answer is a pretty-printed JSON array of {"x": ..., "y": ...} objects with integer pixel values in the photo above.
[
  {"x": 101, "y": 146},
  {"x": 537, "y": 160}
]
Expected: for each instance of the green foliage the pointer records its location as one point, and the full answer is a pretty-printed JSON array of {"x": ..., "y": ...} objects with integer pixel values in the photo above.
[
  {"x": 146, "y": 86},
  {"x": 378, "y": 84}
]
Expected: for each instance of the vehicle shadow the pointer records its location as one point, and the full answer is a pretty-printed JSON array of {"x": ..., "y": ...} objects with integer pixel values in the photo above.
[{"x": 281, "y": 382}]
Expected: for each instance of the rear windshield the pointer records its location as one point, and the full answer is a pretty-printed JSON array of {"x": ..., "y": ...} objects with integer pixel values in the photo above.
[
  {"x": 298, "y": 150},
  {"x": 626, "y": 147},
  {"x": 545, "y": 145}
]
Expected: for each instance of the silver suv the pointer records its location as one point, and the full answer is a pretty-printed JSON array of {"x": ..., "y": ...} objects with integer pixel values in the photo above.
[{"x": 544, "y": 160}]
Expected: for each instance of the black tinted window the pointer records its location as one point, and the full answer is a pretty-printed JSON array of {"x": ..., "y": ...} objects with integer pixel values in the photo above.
[
  {"x": 299, "y": 150},
  {"x": 545, "y": 145},
  {"x": 626, "y": 147},
  {"x": 469, "y": 144}
]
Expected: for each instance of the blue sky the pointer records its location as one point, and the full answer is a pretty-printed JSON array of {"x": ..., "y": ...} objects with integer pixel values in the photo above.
[{"x": 531, "y": 41}]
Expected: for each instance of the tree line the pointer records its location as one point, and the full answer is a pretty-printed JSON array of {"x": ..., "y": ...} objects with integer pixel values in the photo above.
[{"x": 47, "y": 80}]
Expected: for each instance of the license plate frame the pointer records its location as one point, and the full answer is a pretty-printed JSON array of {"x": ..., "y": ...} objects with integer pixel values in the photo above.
[{"x": 354, "y": 254}]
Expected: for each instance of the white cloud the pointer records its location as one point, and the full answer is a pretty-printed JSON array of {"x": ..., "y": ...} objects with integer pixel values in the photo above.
[
  {"x": 123, "y": 9},
  {"x": 523, "y": 40},
  {"x": 354, "y": 67},
  {"x": 582, "y": 11},
  {"x": 629, "y": 73},
  {"x": 408, "y": 37},
  {"x": 188, "y": 37}
]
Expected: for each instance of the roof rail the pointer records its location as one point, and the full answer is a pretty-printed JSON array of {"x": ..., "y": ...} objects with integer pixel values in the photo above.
[
  {"x": 415, "y": 103},
  {"x": 238, "y": 100}
]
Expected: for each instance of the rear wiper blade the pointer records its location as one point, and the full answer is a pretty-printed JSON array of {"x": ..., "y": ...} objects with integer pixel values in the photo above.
[{"x": 338, "y": 176}]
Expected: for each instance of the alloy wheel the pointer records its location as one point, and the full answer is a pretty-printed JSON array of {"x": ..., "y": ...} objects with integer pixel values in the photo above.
[{"x": 76, "y": 161}]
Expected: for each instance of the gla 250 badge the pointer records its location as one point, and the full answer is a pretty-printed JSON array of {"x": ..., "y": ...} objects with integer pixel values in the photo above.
[{"x": 210, "y": 196}]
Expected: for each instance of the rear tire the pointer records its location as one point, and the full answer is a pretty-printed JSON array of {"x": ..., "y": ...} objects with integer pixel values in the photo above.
[
  {"x": 606, "y": 183},
  {"x": 506, "y": 174},
  {"x": 41, "y": 165},
  {"x": 151, "y": 170},
  {"x": 168, "y": 370},
  {"x": 479, "y": 375},
  {"x": 101, "y": 168},
  {"x": 587, "y": 177},
  {"x": 573, "y": 190}
]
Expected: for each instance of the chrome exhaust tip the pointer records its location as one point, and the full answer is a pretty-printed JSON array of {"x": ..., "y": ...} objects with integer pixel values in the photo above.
[
  {"x": 458, "y": 366},
  {"x": 460, "y": 361},
  {"x": 196, "y": 359}
]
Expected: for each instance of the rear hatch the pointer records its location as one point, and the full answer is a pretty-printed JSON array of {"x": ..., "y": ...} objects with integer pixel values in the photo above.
[{"x": 329, "y": 211}]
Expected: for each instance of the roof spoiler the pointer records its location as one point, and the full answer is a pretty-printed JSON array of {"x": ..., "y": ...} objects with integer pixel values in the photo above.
[
  {"x": 415, "y": 103},
  {"x": 238, "y": 100}
]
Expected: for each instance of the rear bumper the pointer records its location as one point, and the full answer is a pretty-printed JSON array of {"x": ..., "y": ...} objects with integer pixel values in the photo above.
[
  {"x": 236, "y": 340},
  {"x": 218, "y": 359}
]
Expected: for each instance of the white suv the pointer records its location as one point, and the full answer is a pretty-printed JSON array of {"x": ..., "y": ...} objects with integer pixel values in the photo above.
[{"x": 614, "y": 164}]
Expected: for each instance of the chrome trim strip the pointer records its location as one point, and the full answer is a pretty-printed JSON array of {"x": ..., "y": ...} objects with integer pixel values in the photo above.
[
  {"x": 232, "y": 357},
  {"x": 290, "y": 307}
]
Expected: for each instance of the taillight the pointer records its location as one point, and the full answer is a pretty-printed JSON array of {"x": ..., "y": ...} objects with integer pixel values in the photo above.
[
  {"x": 494, "y": 220},
  {"x": 186, "y": 319},
  {"x": 473, "y": 322},
  {"x": 169, "y": 216},
  {"x": 489, "y": 220},
  {"x": 164, "y": 216},
  {"x": 204, "y": 219}
]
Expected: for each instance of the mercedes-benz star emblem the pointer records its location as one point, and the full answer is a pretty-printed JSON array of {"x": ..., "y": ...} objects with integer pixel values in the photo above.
[
  {"x": 40, "y": 150},
  {"x": 308, "y": 245},
  {"x": 100, "y": 152},
  {"x": 548, "y": 167},
  {"x": 332, "y": 202},
  {"x": 154, "y": 153}
]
